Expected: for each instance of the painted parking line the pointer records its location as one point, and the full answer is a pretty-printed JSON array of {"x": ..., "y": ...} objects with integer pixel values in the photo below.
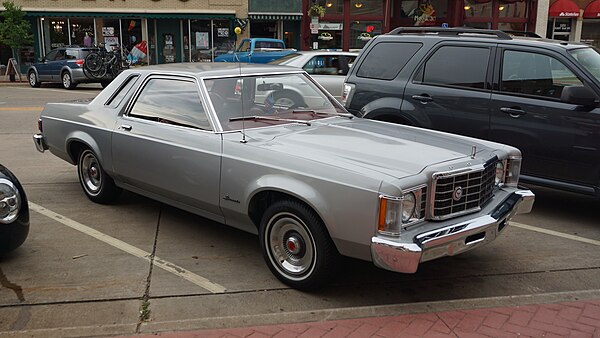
[
  {"x": 21, "y": 108},
  {"x": 555, "y": 233},
  {"x": 130, "y": 249}
]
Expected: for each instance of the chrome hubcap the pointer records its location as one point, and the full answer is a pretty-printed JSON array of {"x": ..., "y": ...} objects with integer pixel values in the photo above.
[
  {"x": 90, "y": 173},
  {"x": 66, "y": 80},
  {"x": 32, "y": 79},
  {"x": 291, "y": 247}
]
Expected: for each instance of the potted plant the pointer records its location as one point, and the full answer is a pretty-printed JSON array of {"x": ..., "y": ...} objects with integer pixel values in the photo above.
[{"x": 316, "y": 10}]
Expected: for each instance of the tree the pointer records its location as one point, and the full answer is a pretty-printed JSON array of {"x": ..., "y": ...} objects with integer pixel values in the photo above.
[{"x": 15, "y": 32}]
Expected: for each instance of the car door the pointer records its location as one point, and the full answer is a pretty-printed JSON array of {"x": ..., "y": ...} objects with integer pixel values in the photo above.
[
  {"x": 56, "y": 65},
  {"x": 451, "y": 89},
  {"x": 559, "y": 141},
  {"x": 164, "y": 146},
  {"x": 44, "y": 67}
]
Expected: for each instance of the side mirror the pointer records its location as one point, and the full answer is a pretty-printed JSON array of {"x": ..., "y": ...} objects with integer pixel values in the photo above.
[{"x": 579, "y": 95}]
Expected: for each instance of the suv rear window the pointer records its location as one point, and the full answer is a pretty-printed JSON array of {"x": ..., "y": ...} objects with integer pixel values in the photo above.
[{"x": 386, "y": 59}]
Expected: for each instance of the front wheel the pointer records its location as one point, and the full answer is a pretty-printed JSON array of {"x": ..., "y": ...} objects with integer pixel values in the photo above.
[
  {"x": 296, "y": 245},
  {"x": 97, "y": 185},
  {"x": 33, "y": 80},
  {"x": 67, "y": 81}
]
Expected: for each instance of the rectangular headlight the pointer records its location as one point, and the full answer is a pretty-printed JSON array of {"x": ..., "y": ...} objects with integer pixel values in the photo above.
[{"x": 397, "y": 212}]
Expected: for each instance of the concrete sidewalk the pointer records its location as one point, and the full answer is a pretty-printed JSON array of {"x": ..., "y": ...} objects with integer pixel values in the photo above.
[{"x": 566, "y": 319}]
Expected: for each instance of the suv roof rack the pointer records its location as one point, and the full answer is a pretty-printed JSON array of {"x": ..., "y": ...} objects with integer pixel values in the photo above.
[
  {"x": 523, "y": 34},
  {"x": 452, "y": 31}
]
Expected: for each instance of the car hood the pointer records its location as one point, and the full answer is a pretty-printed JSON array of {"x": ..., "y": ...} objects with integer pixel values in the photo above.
[{"x": 363, "y": 145}]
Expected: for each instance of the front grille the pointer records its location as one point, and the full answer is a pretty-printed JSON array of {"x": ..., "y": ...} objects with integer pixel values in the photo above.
[{"x": 457, "y": 193}]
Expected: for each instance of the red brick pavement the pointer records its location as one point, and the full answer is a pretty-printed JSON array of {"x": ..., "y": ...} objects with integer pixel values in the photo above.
[{"x": 570, "y": 319}]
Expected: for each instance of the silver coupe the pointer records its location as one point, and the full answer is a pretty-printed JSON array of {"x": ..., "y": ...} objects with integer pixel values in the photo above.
[{"x": 267, "y": 150}]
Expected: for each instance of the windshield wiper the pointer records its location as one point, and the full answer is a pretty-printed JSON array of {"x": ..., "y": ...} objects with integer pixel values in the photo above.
[
  {"x": 298, "y": 111},
  {"x": 268, "y": 118}
]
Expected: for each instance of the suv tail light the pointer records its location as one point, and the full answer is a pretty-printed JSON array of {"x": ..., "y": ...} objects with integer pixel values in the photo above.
[
  {"x": 79, "y": 62},
  {"x": 348, "y": 87}
]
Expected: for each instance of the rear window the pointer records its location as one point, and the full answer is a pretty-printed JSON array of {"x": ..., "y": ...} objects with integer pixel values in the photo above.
[{"x": 385, "y": 60}]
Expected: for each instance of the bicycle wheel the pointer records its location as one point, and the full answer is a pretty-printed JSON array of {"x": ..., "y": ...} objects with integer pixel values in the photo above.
[{"x": 92, "y": 62}]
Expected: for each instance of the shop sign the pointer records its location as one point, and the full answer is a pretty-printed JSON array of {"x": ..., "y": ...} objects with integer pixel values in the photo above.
[
  {"x": 331, "y": 26},
  {"x": 364, "y": 37},
  {"x": 569, "y": 14},
  {"x": 325, "y": 36},
  {"x": 222, "y": 32},
  {"x": 562, "y": 27},
  {"x": 108, "y": 31},
  {"x": 314, "y": 28}
]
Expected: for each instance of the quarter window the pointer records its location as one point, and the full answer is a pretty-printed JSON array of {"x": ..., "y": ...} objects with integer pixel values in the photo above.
[
  {"x": 115, "y": 101},
  {"x": 386, "y": 60},
  {"x": 456, "y": 66},
  {"x": 535, "y": 74},
  {"x": 171, "y": 101}
]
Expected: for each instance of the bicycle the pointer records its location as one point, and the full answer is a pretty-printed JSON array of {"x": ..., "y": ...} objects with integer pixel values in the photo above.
[{"x": 98, "y": 64}]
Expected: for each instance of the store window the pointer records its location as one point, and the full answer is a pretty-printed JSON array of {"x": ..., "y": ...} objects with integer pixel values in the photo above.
[
  {"x": 82, "y": 32},
  {"x": 152, "y": 42},
  {"x": 223, "y": 37},
  {"x": 264, "y": 28},
  {"x": 496, "y": 14},
  {"x": 366, "y": 7},
  {"x": 56, "y": 32},
  {"x": 201, "y": 41},
  {"x": 333, "y": 7},
  {"x": 590, "y": 32},
  {"x": 330, "y": 35},
  {"x": 111, "y": 33},
  {"x": 363, "y": 31},
  {"x": 422, "y": 12},
  {"x": 132, "y": 33}
]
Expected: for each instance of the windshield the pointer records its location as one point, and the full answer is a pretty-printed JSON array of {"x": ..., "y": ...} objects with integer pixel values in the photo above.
[
  {"x": 589, "y": 59},
  {"x": 282, "y": 98}
]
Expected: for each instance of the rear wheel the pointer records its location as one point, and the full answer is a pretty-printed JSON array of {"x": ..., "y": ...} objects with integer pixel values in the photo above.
[
  {"x": 97, "y": 185},
  {"x": 296, "y": 245}
]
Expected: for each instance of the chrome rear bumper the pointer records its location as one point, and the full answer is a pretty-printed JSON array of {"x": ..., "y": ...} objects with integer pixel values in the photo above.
[
  {"x": 450, "y": 240},
  {"x": 40, "y": 143}
]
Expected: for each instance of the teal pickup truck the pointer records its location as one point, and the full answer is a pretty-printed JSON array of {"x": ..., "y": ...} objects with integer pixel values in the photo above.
[{"x": 256, "y": 50}]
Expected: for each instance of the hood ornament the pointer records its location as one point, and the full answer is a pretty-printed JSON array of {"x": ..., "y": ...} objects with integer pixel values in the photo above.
[{"x": 473, "y": 151}]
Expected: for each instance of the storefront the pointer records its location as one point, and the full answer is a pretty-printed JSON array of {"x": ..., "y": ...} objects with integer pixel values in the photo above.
[
  {"x": 562, "y": 16},
  {"x": 349, "y": 24},
  {"x": 590, "y": 30},
  {"x": 149, "y": 38},
  {"x": 277, "y": 20}
]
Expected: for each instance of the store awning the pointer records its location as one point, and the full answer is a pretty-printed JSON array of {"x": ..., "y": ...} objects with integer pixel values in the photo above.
[
  {"x": 289, "y": 17},
  {"x": 592, "y": 11},
  {"x": 563, "y": 9},
  {"x": 132, "y": 15}
]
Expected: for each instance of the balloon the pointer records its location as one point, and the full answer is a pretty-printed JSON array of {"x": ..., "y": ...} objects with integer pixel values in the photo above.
[{"x": 237, "y": 30}]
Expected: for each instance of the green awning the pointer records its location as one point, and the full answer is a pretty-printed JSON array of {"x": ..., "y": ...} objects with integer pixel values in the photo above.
[
  {"x": 132, "y": 15},
  {"x": 289, "y": 17}
]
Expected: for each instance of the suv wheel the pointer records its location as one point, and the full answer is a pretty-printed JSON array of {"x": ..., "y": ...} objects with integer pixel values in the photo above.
[
  {"x": 33, "y": 80},
  {"x": 67, "y": 81}
]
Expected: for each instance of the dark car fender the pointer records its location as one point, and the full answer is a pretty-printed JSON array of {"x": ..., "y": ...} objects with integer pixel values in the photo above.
[
  {"x": 12, "y": 235},
  {"x": 388, "y": 109}
]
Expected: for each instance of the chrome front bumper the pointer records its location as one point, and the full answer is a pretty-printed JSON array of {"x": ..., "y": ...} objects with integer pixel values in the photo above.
[
  {"x": 450, "y": 240},
  {"x": 40, "y": 143}
]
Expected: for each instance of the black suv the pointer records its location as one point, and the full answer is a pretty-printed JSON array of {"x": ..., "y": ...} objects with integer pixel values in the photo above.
[{"x": 538, "y": 95}]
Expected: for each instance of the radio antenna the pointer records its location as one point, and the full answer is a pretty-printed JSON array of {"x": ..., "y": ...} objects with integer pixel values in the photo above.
[{"x": 240, "y": 83}]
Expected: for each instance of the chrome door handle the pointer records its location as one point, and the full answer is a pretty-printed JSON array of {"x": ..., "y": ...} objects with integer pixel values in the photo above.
[
  {"x": 514, "y": 112},
  {"x": 422, "y": 98},
  {"x": 126, "y": 127}
]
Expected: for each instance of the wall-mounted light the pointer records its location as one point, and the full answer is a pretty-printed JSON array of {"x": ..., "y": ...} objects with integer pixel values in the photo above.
[
  {"x": 501, "y": 7},
  {"x": 467, "y": 7},
  {"x": 329, "y": 4},
  {"x": 358, "y": 5}
]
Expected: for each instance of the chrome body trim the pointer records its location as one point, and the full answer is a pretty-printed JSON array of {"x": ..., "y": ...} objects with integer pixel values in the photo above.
[{"x": 404, "y": 256}]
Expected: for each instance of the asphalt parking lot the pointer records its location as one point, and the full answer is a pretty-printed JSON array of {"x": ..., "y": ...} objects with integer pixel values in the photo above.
[{"x": 139, "y": 266}]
